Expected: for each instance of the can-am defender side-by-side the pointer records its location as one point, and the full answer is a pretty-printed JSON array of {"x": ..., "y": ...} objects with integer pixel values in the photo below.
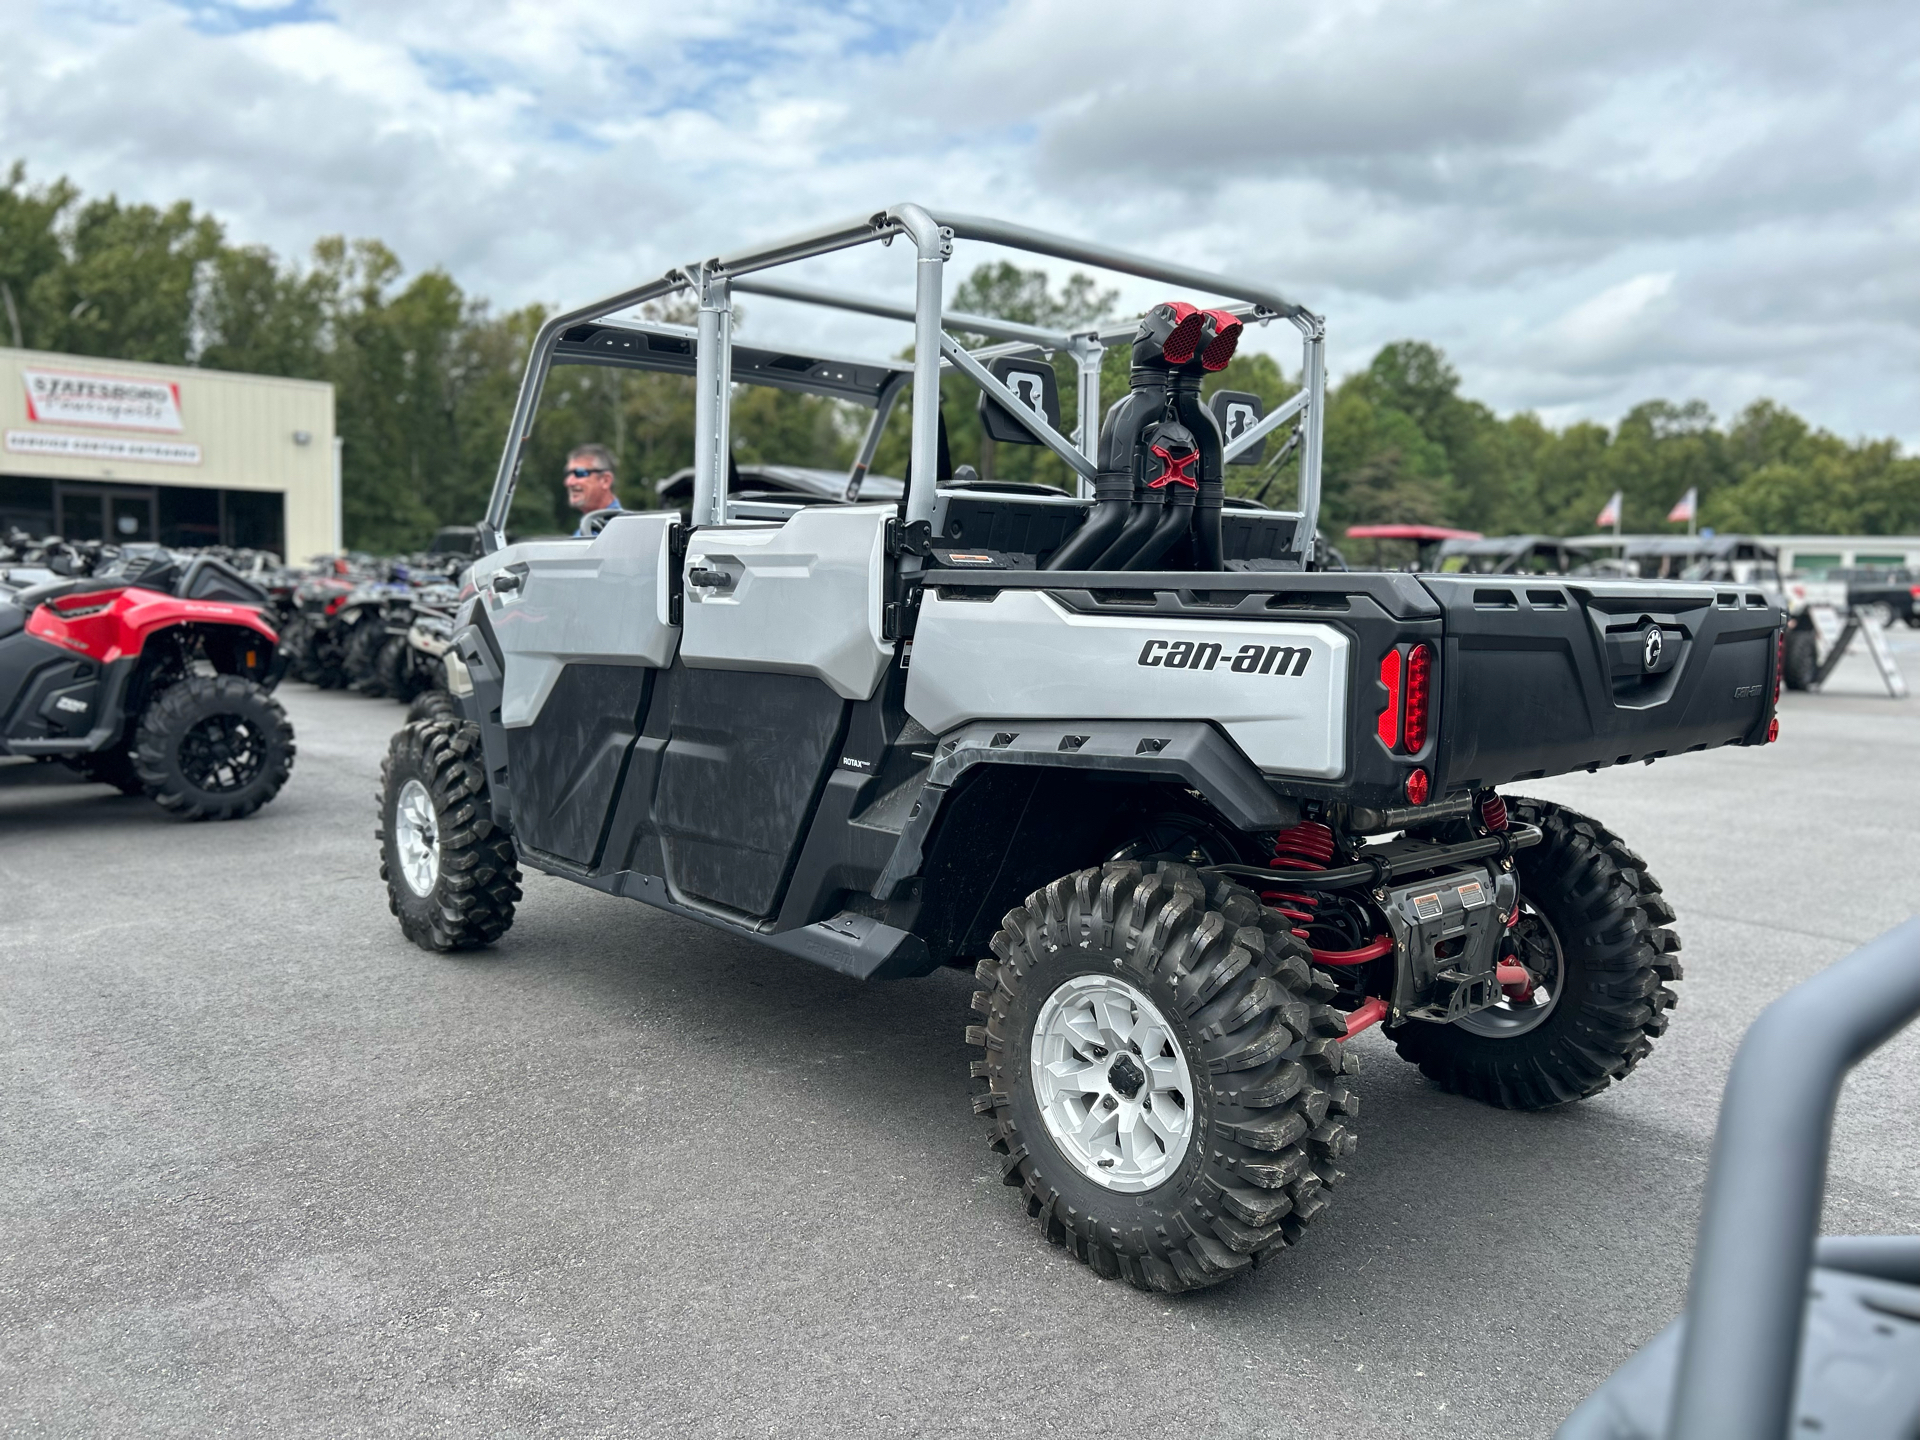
[
  {"x": 1195, "y": 810},
  {"x": 152, "y": 673}
]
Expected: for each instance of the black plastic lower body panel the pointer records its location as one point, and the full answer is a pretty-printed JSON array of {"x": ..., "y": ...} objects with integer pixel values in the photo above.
[
  {"x": 739, "y": 776},
  {"x": 568, "y": 765}
]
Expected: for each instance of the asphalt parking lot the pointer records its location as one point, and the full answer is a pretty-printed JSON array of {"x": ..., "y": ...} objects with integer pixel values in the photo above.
[{"x": 271, "y": 1170}]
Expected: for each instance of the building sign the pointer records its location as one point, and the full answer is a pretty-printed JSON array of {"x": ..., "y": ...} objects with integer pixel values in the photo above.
[
  {"x": 102, "y": 447},
  {"x": 116, "y": 402}
]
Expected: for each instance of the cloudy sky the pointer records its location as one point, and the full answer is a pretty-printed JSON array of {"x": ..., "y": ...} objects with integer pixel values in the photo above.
[{"x": 1587, "y": 204}]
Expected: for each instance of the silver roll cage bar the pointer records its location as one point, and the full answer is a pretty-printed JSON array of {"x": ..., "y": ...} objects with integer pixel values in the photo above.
[{"x": 717, "y": 367}]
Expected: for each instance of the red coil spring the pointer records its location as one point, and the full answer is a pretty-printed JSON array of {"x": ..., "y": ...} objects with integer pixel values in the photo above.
[
  {"x": 1493, "y": 813},
  {"x": 1306, "y": 846},
  {"x": 1309, "y": 846}
]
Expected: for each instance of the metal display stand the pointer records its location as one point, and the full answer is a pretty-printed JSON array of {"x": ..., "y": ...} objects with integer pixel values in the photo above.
[{"x": 1839, "y": 638}]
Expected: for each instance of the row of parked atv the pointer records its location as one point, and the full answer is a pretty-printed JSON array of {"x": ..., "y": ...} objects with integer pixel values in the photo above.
[
  {"x": 380, "y": 628},
  {"x": 153, "y": 669}
]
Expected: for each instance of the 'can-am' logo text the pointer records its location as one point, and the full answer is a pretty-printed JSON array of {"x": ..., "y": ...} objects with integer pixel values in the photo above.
[{"x": 1248, "y": 659}]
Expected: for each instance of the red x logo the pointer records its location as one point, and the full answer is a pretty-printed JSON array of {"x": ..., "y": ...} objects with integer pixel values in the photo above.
[{"x": 1176, "y": 471}]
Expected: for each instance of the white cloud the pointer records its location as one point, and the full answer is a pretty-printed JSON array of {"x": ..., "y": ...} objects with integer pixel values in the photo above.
[{"x": 1586, "y": 205}]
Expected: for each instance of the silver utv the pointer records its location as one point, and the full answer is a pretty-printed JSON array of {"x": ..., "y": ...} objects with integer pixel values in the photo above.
[{"x": 1193, "y": 819}]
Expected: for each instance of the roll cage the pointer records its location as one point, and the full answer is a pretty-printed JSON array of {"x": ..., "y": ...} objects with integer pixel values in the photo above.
[{"x": 707, "y": 352}]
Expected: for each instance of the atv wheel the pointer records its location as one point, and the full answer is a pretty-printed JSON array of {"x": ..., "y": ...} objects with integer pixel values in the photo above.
[
  {"x": 399, "y": 677},
  {"x": 361, "y": 660},
  {"x": 433, "y": 705},
  {"x": 213, "y": 747},
  {"x": 110, "y": 767},
  {"x": 450, "y": 872},
  {"x": 1592, "y": 936},
  {"x": 1162, "y": 1073},
  {"x": 1802, "y": 658}
]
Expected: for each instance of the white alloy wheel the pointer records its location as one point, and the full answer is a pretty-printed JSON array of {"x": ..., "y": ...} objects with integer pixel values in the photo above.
[
  {"x": 416, "y": 833},
  {"x": 1112, "y": 1083}
]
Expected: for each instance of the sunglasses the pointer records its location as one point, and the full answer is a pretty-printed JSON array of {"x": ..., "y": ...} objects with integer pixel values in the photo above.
[{"x": 575, "y": 472}]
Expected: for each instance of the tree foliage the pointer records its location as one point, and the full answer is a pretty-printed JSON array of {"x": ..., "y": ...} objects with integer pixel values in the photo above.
[{"x": 426, "y": 376}]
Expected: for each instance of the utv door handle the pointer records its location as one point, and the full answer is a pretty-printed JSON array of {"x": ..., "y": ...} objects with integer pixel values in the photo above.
[
  {"x": 709, "y": 579},
  {"x": 505, "y": 581}
]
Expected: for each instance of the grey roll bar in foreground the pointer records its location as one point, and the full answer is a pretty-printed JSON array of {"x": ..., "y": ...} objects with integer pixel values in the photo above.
[
  {"x": 1741, "y": 1337},
  {"x": 1745, "y": 1302}
]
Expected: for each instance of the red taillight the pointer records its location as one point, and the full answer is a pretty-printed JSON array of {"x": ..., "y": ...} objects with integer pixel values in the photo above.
[
  {"x": 1914, "y": 591},
  {"x": 1417, "y": 787},
  {"x": 1389, "y": 727},
  {"x": 1419, "y": 696},
  {"x": 1773, "y": 730},
  {"x": 1779, "y": 663}
]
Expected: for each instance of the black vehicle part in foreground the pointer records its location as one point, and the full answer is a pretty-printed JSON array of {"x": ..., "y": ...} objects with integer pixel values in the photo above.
[{"x": 1782, "y": 1335}]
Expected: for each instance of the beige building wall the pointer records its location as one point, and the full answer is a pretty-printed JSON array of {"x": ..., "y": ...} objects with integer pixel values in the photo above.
[{"x": 246, "y": 428}]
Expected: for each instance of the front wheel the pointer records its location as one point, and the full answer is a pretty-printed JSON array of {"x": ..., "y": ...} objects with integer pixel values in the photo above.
[
  {"x": 451, "y": 878},
  {"x": 1162, "y": 1074},
  {"x": 213, "y": 747},
  {"x": 1592, "y": 937}
]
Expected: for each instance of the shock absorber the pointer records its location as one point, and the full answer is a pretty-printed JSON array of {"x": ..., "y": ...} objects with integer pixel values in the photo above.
[
  {"x": 1309, "y": 846},
  {"x": 1493, "y": 813},
  {"x": 1306, "y": 846}
]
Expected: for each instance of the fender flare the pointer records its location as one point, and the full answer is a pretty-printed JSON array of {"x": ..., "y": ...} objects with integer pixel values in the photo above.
[{"x": 1191, "y": 752}]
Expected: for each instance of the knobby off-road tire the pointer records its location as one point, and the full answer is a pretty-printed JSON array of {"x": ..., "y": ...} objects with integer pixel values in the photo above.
[
  {"x": 399, "y": 677},
  {"x": 1801, "y": 658},
  {"x": 433, "y": 705},
  {"x": 361, "y": 660},
  {"x": 213, "y": 747},
  {"x": 1605, "y": 922},
  {"x": 451, "y": 878},
  {"x": 1244, "y": 1015}
]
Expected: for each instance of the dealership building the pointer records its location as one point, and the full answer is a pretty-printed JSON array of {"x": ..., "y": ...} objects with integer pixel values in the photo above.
[{"x": 115, "y": 450}]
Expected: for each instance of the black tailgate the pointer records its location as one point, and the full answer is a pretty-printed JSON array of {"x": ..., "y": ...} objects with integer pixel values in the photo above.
[{"x": 1544, "y": 675}]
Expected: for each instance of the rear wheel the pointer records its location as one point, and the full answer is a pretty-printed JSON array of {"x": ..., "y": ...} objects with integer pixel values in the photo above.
[
  {"x": 399, "y": 675},
  {"x": 1162, "y": 1074},
  {"x": 213, "y": 747},
  {"x": 1592, "y": 937},
  {"x": 1802, "y": 658},
  {"x": 362, "y": 658},
  {"x": 451, "y": 878}
]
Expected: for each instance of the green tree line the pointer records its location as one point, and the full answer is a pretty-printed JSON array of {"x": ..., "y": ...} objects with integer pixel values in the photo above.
[{"x": 425, "y": 377}]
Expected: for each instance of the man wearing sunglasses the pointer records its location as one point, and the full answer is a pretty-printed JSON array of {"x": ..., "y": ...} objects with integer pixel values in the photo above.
[{"x": 589, "y": 479}]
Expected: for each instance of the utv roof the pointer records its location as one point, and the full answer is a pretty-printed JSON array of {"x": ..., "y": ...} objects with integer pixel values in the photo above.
[{"x": 941, "y": 339}]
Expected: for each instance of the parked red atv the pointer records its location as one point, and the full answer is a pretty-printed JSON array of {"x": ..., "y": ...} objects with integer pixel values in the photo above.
[{"x": 154, "y": 673}]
